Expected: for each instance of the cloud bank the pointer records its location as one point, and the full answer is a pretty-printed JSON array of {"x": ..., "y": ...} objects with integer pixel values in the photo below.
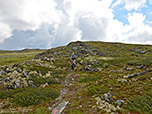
[{"x": 50, "y": 23}]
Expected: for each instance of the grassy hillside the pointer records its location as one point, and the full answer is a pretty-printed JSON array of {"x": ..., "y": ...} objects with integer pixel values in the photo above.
[
  {"x": 109, "y": 78},
  {"x": 10, "y": 57}
]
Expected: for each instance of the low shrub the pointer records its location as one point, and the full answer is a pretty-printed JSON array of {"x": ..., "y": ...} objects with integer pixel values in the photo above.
[
  {"x": 40, "y": 80},
  {"x": 9, "y": 93},
  {"x": 34, "y": 96}
]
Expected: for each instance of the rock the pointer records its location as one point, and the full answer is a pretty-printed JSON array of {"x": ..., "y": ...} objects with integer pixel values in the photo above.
[
  {"x": 99, "y": 53},
  {"x": 105, "y": 106},
  {"x": 7, "y": 69},
  {"x": 80, "y": 106},
  {"x": 25, "y": 74},
  {"x": 107, "y": 97},
  {"x": 45, "y": 85},
  {"x": 142, "y": 73},
  {"x": 131, "y": 76},
  {"x": 2, "y": 73},
  {"x": 140, "y": 67},
  {"x": 39, "y": 63},
  {"x": 84, "y": 51},
  {"x": 135, "y": 74},
  {"x": 19, "y": 70},
  {"x": 122, "y": 80},
  {"x": 38, "y": 56},
  {"x": 141, "y": 52},
  {"x": 9, "y": 87},
  {"x": 45, "y": 59},
  {"x": 88, "y": 68},
  {"x": 17, "y": 83},
  {"x": 53, "y": 60},
  {"x": 25, "y": 84},
  {"x": 39, "y": 73},
  {"x": 119, "y": 102},
  {"x": 8, "y": 79},
  {"x": 30, "y": 83},
  {"x": 15, "y": 65}
]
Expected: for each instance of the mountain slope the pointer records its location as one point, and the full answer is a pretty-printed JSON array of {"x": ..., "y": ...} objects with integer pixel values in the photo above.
[{"x": 109, "y": 78}]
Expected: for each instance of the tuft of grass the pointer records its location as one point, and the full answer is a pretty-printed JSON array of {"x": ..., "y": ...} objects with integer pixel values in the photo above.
[
  {"x": 141, "y": 104},
  {"x": 97, "y": 90}
]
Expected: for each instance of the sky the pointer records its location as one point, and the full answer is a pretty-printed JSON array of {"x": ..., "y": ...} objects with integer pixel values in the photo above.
[{"x": 45, "y": 24}]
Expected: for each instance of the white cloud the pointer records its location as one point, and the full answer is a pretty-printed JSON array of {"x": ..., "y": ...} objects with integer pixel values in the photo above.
[
  {"x": 130, "y": 4},
  {"x": 26, "y": 15},
  {"x": 150, "y": 1},
  {"x": 5, "y": 31},
  {"x": 48, "y": 23},
  {"x": 137, "y": 31},
  {"x": 118, "y": 2},
  {"x": 134, "y": 4}
]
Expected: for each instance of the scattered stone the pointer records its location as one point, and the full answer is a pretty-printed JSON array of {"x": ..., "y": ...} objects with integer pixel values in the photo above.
[
  {"x": 30, "y": 83},
  {"x": 2, "y": 73},
  {"x": 39, "y": 73},
  {"x": 131, "y": 76},
  {"x": 141, "y": 52},
  {"x": 45, "y": 59},
  {"x": 53, "y": 60},
  {"x": 15, "y": 65},
  {"x": 38, "y": 56},
  {"x": 45, "y": 85},
  {"x": 142, "y": 73},
  {"x": 9, "y": 87},
  {"x": 122, "y": 80},
  {"x": 80, "y": 106},
  {"x": 119, "y": 102},
  {"x": 107, "y": 97},
  {"x": 8, "y": 79},
  {"x": 107, "y": 107},
  {"x": 140, "y": 67},
  {"x": 25, "y": 74},
  {"x": 19, "y": 70},
  {"x": 135, "y": 74},
  {"x": 39, "y": 63},
  {"x": 7, "y": 69},
  {"x": 99, "y": 53},
  {"x": 17, "y": 83}
]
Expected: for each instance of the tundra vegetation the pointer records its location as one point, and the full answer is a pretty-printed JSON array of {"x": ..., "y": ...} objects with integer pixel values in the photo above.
[{"x": 109, "y": 78}]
